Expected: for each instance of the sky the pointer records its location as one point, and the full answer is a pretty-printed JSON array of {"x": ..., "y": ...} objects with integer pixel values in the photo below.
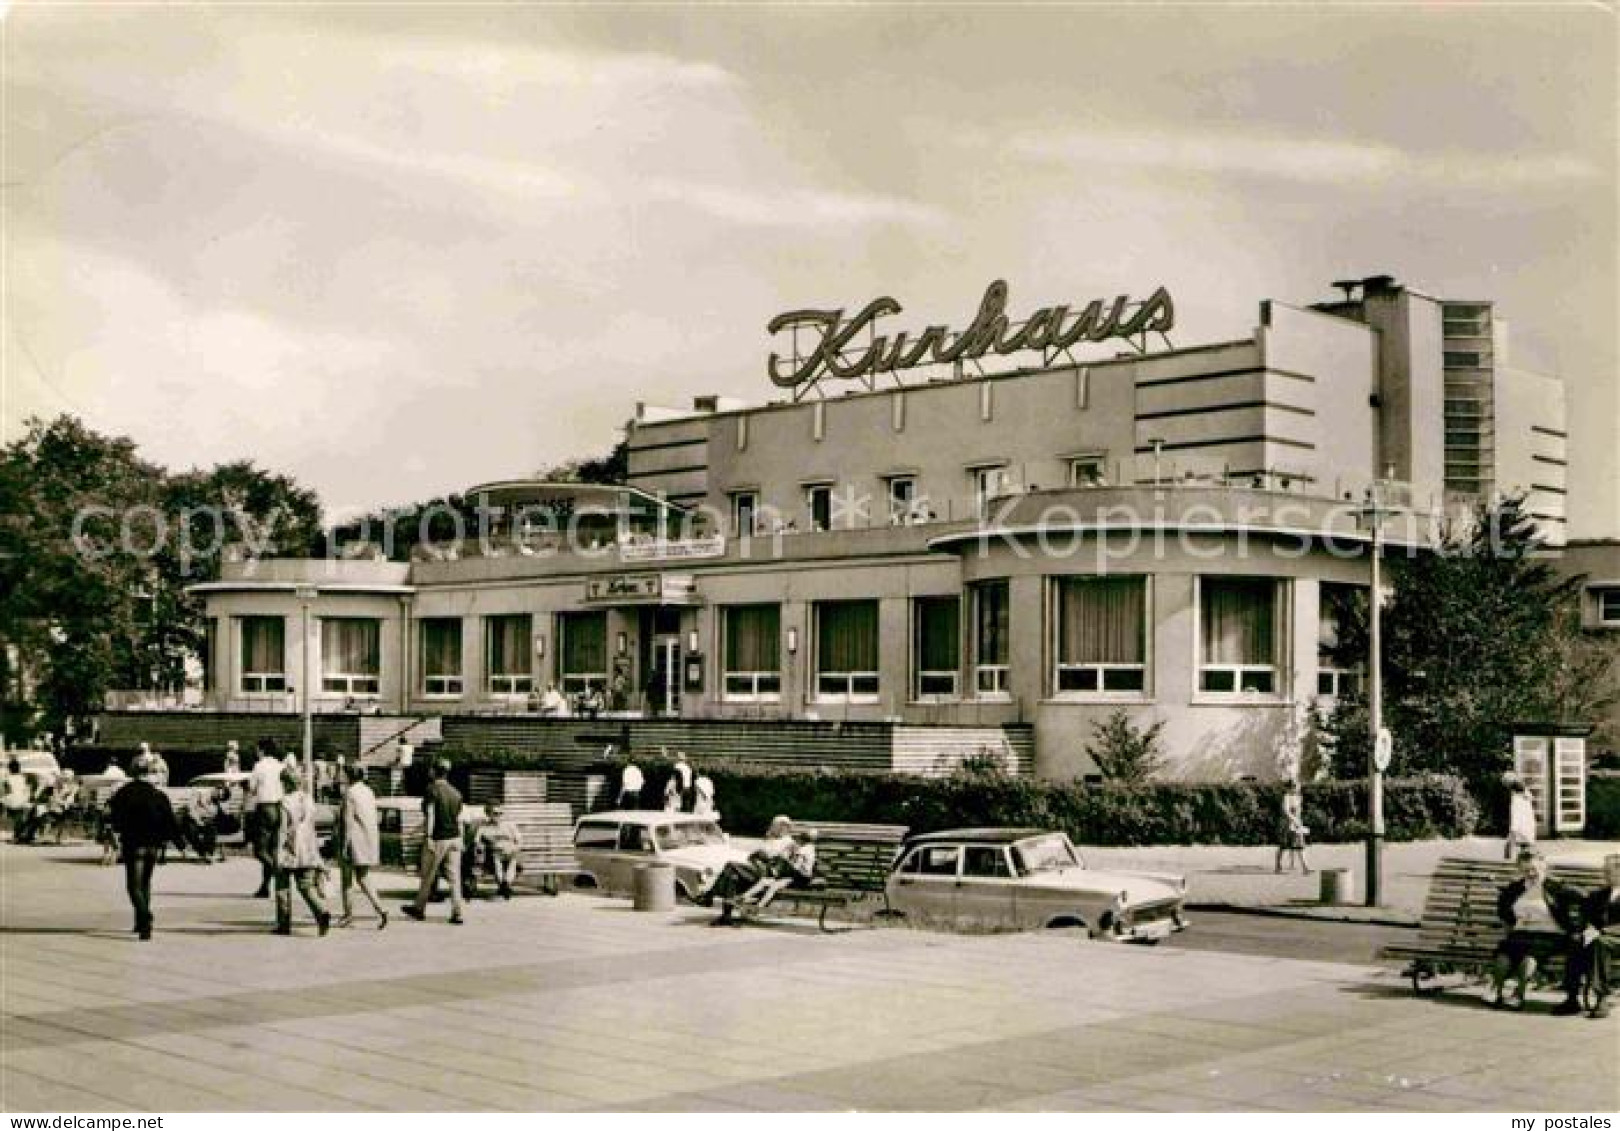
[{"x": 397, "y": 251}]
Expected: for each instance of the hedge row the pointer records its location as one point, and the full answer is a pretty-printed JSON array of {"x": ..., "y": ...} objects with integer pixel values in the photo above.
[{"x": 1240, "y": 813}]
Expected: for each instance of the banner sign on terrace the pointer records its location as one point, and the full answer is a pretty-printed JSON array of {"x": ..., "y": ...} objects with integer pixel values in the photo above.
[{"x": 852, "y": 349}]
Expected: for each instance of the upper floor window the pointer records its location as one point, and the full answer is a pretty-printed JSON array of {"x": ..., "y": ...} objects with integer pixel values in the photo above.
[
  {"x": 818, "y": 501},
  {"x": 264, "y": 653},
  {"x": 1463, "y": 359},
  {"x": 1239, "y": 634},
  {"x": 988, "y": 483},
  {"x": 507, "y": 654},
  {"x": 1088, "y": 471},
  {"x": 847, "y": 650},
  {"x": 1609, "y": 606},
  {"x": 744, "y": 512},
  {"x": 902, "y": 496},
  {"x": 351, "y": 655},
  {"x": 441, "y": 655},
  {"x": 1101, "y": 634}
]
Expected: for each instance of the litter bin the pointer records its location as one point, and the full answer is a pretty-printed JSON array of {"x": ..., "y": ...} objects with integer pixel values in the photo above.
[
  {"x": 655, "y": 887},
  {"x": 1335, "y": 885}
]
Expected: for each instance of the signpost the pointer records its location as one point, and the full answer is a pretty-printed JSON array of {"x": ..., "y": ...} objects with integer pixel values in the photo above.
[{"x": 1374, "y": 513}]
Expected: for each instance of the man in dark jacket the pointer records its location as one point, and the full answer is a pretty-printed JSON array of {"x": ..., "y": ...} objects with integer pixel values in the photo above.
[
  {"x": 1592, "y": 945},
  {"x": 144, "y": 821}
]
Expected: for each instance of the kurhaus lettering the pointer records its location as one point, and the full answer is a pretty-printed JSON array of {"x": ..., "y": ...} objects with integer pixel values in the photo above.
[{"x": 1050, "y": 328}]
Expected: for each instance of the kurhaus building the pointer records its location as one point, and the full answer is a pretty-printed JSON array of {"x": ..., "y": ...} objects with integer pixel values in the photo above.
[{"x": 952, "y": 550}]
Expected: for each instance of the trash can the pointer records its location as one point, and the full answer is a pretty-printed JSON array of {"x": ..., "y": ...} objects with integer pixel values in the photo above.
[
  {"x": 1335, "y": 885},
  {"x": 655, "y": 887}
]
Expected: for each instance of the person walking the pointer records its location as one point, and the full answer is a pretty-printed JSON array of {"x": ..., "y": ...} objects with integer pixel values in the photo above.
[
  {"x": 441, "y": 844},
  {"x": 359, "y": 844},
  {"x": 298, "y": 855},
  {"x": 1292, "y": 832},
  {"x": 141, "y": 815},
  {"x": 1521, "y": 820},
  {"x": 262, "y": 813}
]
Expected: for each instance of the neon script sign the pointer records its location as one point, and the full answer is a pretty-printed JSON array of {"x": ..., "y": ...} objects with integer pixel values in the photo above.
[{"x": 1052, "y": 329}]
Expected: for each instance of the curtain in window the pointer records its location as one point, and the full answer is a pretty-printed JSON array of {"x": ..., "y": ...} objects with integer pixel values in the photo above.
[
  {"x": 349, "y": 646},
  {"x": 847, "y": 636},
  {"x": 584, "y": 643},
  {"x": 441, "y": 647},
  {"x": 264, "y": 648},
  {"x": 1101, "y": 619},
  {"x": 938, "y": 628},
  {"x": 752, "y": 635},
  {"x": 1239, "y": 620},
  {"x": 508, "y": 644},
  {"x": 990, "y": 605}
]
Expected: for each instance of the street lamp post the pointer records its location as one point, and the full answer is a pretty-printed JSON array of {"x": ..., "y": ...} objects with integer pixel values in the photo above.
[
  {"x": 1378, "y": 752},
  {"x": 306, "y": 594}
]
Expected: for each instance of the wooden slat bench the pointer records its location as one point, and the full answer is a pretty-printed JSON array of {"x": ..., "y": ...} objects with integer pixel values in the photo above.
[
  {"x": 545, "y": 839},
  {"x": 852, "y": 864},
  {"x": 1459, "y": 931}
]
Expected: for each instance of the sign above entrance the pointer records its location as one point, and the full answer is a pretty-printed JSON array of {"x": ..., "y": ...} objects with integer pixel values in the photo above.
[
  {"x": 642, "y": 589},
  {"x": 851, "y": 349}
]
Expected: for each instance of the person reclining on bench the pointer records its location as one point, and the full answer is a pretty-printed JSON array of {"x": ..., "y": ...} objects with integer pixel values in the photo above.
[
  {"x": 739, "y": 876},
  {"x": 1533, "y": 908},
  {"x": 795, "y": 870}
]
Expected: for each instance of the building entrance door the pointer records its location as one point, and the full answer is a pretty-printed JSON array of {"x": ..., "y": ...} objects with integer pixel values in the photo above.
[{"x": 665, "y": 692}]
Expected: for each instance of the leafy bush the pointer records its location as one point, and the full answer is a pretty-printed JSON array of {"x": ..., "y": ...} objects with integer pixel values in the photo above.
[
  {"x": 1239, "y": 813},
  {"x": 1123, "y": 753}
]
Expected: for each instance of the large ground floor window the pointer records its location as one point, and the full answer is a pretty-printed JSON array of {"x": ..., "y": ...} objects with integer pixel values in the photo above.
[
  {"x": 1240, "y": 622},
  {"x": 440, "y": 655},
  {"x": 847, "y": 650},
  {"x": 753, "y": 659},
  {"x": 936, "y": 646},
  {"x": 1101, "y": 638},
  {"x": 1337, "y": 607},
  {"x": 992, "y": 612},
  {"x": 507, "y": 654},
  {"x": 351, "y": 655},
  {"x": 583, "y": 651},
  {"x": 264, "y": 653}
]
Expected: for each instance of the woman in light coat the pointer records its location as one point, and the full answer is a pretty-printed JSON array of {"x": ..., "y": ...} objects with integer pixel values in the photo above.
[
  {"x": 298, "y": 855},
  {"x": 359, "y": 848}
]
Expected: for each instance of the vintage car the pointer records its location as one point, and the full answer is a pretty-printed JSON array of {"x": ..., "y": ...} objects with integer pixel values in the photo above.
[
  {"x": 1023, "y": 879},
  {"x": 609, "y": 846}
]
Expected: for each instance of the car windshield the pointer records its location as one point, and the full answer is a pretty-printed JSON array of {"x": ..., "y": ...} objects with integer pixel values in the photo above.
[
  {"x": 1046, "y": 853},
  {"x": 689, "y": 834}
]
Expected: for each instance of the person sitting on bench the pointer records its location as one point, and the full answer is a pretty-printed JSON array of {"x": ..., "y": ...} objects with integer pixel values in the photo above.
[
  {"x": 1532, "y": 909},
  {"x": 739, "y": 876},
  {"x": 1592, "y": 943},
  {"x": 796, "y": 870},
  {"x": 501, "y": 842}
]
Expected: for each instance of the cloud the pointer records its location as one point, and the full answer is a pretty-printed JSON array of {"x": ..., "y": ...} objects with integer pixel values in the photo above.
[
  {"x": 790, "y": 207},
  {"x": 1307, "y": 160}
]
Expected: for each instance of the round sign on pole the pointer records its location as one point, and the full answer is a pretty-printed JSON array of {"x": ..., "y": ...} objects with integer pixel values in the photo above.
[{"x": 1383, "y": 748}]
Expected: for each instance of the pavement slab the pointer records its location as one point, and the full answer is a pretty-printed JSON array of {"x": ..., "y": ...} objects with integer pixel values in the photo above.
[{"x": 576, "y": 1003}]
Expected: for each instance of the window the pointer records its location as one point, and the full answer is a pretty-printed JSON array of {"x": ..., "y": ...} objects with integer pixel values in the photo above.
[
  {"x": 506, "y": 654},
  {"x": 933, "y": 860},
  {"x": 351, "y": 655},
  {"x": 210, "y": 653},
  {"x": 635, "y": 838},
  {"x": 988, "y": 482},
  {"x": 441, "y": 655},
  {"x": 597, "y": 835},
  {"x": 985, "y": 861},
  {"x": 1088, "y": 471},
  {"x": 902, "y": 493},
  {"x": 753, "y": 665},
  {"x": 991, "y": 611},
  {"x": 1462, "y": 359},
  {"x": 936, "y": 646},
  {"x": 1101, "y": 634},
  {"x": 744, "y": 505},
  {"x": 1337, "y": 603},
  {"x": 264, "y": 654},
  {"x": 847, "y": 650},
  {"x": 1238, "y": 620},
  {"x": 818, "y": 501},
  {"x": 582, "y": 650},
  {"x": 1608, "y": 606}
]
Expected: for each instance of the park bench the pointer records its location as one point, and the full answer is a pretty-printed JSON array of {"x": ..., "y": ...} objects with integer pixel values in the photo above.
[
  {"x": 545, "y": 844},
  {"x": 1459, "y": 931},
  {"x": 852, "y": 864}
]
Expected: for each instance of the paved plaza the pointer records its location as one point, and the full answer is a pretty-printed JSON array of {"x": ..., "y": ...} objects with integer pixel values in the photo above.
[{"x": 580, "y": 1003}]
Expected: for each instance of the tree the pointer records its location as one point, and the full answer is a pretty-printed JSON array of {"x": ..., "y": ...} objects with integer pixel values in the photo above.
[
  {"x": 1480, "y": 634},
  {"x": 1124, "y": 753}
]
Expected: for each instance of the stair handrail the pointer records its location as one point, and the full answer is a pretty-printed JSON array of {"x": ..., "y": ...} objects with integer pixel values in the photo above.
[{"x": 375, "y": 746}]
